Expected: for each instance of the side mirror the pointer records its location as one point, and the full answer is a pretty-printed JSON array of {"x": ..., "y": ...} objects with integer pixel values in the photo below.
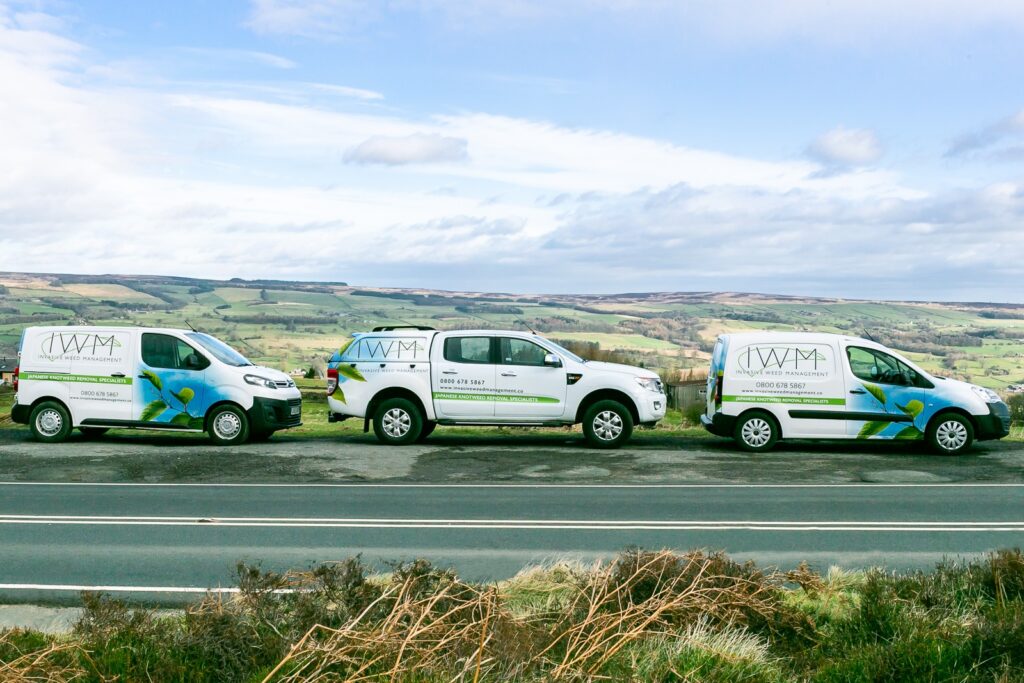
[
  {"x": 552, "y": 361},
  {"x": 193, "y": 362}
]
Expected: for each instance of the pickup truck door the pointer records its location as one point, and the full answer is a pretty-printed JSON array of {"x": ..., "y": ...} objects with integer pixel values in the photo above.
[
  {"x": 462, "y": 377},
  {"x": 527, "y": 388}
]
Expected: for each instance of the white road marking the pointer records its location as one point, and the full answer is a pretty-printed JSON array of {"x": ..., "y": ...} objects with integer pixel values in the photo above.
[
  {"x": 602, "y": 525},
  {"x": 508, "y": 486},
  {"x": 125, "y": 589}
]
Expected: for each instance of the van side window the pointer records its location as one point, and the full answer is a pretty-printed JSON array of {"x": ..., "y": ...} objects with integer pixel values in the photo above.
[
  {"x": 467, "y": 349},
  {"x": 521, "y": 352},
  {"x": 165, "y": 351},
  {"x": 876, "y": 366}
]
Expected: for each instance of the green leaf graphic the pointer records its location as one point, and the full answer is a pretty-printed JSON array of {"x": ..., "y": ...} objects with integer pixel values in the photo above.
[
  {"x": 154, "y": 379},
  {"x": 183, "y": 419},
  {"x": 153, "y": 410},
  {"x": 913, "y": 408},
  {"x": 871, "y": 428},
  {"x": 350, "y": 372},
  {"x": 909, "y": 434},
  {"x": 344, "y": 347},
  {"x": 185, "y": 395},
  {"x": 875, "y": 391},
  {"x": 340, "y": 395}
]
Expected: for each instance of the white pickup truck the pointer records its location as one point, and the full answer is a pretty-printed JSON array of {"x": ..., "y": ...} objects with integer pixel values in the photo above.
[{"x": 407, "y": 380}]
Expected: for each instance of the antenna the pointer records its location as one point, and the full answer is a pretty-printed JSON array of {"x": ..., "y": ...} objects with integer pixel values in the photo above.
[
  {"x": 190, "y": 326},
  {"x": 527, "y": 325},
  {"x": 868, "y": 335}
]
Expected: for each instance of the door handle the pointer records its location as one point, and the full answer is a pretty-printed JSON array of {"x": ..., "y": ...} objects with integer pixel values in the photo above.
[
  {"x": 117, "y": 374},
  {"x": 449, "y": 372},
  {"x": 509, "y": 374},
  {"x": 857, "y": 391}
]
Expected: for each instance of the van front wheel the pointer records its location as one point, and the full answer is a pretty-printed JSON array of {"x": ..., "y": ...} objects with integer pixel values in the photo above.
[
  {"x": 607, "y": 424},
  {"x": 50, "y": 422},
  {"x": 397, "y": 422},
  {"x": 228, "y": 425},
  {"x": 756, "y": 432},
  {"x": 950, "y": 434}
]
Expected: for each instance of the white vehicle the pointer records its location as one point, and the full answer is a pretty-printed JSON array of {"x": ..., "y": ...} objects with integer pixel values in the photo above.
[
  {"x": 408, "y": 380},
  {"x": 767, "y": 386},
  {"x": 97, "y": 378}
]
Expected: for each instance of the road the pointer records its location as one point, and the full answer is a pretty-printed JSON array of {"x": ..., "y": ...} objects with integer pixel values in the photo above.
[
  {"x": 170, "y": 539},
  {"x": 159, "y": 517}
]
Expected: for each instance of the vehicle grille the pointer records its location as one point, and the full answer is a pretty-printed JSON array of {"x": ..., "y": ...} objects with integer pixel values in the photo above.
[{"x": 284, "y": 383}]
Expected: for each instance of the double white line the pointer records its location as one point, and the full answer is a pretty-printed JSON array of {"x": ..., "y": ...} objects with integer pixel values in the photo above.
[{"x": 540, "y": 524}]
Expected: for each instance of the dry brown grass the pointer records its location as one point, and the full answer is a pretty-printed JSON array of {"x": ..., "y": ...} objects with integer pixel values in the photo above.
[
  {"x": 44, "y": 665},
  {"x": 468, "y": 633}
]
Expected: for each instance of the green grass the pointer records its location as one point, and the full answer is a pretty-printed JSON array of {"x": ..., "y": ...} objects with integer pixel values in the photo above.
[{"x": 646, "y": 616}]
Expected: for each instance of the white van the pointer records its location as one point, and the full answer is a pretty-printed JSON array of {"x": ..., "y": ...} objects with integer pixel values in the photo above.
[
  {"x": 98, "y": 378},
  {"x": 408, "y": 380},
  {"x": 766, "y": 386}
]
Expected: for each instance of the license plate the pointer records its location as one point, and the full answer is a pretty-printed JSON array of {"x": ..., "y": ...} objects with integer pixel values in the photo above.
[{"x": 296, "y": 410}]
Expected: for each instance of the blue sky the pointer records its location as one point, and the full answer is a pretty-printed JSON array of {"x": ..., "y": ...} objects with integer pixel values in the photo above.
[{"x": 857, "y": 149}]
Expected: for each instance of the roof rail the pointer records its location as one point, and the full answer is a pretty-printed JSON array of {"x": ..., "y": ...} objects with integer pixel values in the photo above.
[{"x": 391, "y": 328}]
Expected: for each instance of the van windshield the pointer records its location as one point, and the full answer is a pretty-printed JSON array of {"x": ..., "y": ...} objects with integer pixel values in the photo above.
[{"x": 218, "y": 349}]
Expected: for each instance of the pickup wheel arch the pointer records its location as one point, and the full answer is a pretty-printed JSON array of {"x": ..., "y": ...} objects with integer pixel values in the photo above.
[
  {"x": 607, "y": 395},
  {"x": 384, "y": 395}
]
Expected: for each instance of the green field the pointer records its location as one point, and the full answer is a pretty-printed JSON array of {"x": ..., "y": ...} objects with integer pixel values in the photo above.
[{"x": 296, "y": 325}]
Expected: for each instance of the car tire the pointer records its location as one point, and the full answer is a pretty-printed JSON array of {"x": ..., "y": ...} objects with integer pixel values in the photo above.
[
  {"x": 93, "y": 432},
  {"x": 607, "y": 424},
  {"x": 428, "y": 429},
  {"x": 950, "y": 434},
  {"x": 756, "y": 432},
  {"x": 398, "y": 422},
  {"x": 50, "y": 422},
  {"x": 228, "y": 425}
]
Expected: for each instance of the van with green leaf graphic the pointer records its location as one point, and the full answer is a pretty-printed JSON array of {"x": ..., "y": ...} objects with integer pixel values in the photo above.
[
  {"x": 98, "y": 378},
  {"x": 407, "y": 380},
  {"x": 766, "y": 386}
]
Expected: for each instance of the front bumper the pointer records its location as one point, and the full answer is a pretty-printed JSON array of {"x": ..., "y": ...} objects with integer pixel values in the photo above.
[
  {"x": 995, "y": 425},
  {"x": 272, "y": 414},
  {"x": 720, "y": 424}
]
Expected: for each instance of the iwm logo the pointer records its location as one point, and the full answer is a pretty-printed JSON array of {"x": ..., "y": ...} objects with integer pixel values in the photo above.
[
  {"x": 78, "y": 345},
  {"x": 784, "y": 360},
  {"x": 389, "y": 349}
]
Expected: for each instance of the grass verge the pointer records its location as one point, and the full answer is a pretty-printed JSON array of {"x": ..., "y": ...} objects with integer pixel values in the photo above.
[{"x": 647, "y": 616}]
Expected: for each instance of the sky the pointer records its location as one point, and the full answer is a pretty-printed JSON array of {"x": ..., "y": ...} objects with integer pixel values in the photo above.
[{"x": 852, "y": 148}]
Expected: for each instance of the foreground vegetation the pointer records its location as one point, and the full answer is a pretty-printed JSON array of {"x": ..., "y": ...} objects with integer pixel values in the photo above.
[{"x": 647, "y": 616}]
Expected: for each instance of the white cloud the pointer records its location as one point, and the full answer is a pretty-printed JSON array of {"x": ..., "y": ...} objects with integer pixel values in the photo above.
[
  {"x": 988, "y": 137},
  {"x": 252, "y": 56},
  {"x": 132, "y": 179},
  {"x": 346, "y": 91},
  {"x": 843, "y": 146},
  {"x": 738, "y": 23}
]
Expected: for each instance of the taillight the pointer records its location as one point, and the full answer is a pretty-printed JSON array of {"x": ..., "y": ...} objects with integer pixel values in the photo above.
[
  {"x": 332, "y": 380},
  {"x": 718, "y": 390},
  {"x": 14, "y": 380}
]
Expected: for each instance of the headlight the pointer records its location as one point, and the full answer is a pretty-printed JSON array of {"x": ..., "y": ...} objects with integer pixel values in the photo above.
[
  {"x": 987, "y": 395},
  {"x": 258, "y": 381},
  {"x": 649, "y": 383}
]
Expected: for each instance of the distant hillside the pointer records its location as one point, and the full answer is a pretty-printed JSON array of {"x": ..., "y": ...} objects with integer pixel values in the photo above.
[{"x": 297, "y": 324}]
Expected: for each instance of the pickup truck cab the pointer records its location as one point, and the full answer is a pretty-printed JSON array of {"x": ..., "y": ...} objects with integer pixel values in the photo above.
[{"x": 406, "y": 381}]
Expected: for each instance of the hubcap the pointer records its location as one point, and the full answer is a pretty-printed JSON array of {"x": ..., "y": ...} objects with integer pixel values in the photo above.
[
  {"x": 396, "y": 423},
  {"x": 49, "y": 422},
  {"x": 951, "y": 435},
  {"x": 227, "y": 425},
  {"x": 608, "y": 425},
  {"x": 756, "y": 432}
]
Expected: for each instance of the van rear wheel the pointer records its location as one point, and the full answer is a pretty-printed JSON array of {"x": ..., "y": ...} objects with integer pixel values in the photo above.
[
  {"x": 607, "y": 424},
  {"x": 397, "y": 422},
  {"x": 228, "y": 425},
  {"x": 50, "y": 422},
  {"x": 756, "y": 432}
]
